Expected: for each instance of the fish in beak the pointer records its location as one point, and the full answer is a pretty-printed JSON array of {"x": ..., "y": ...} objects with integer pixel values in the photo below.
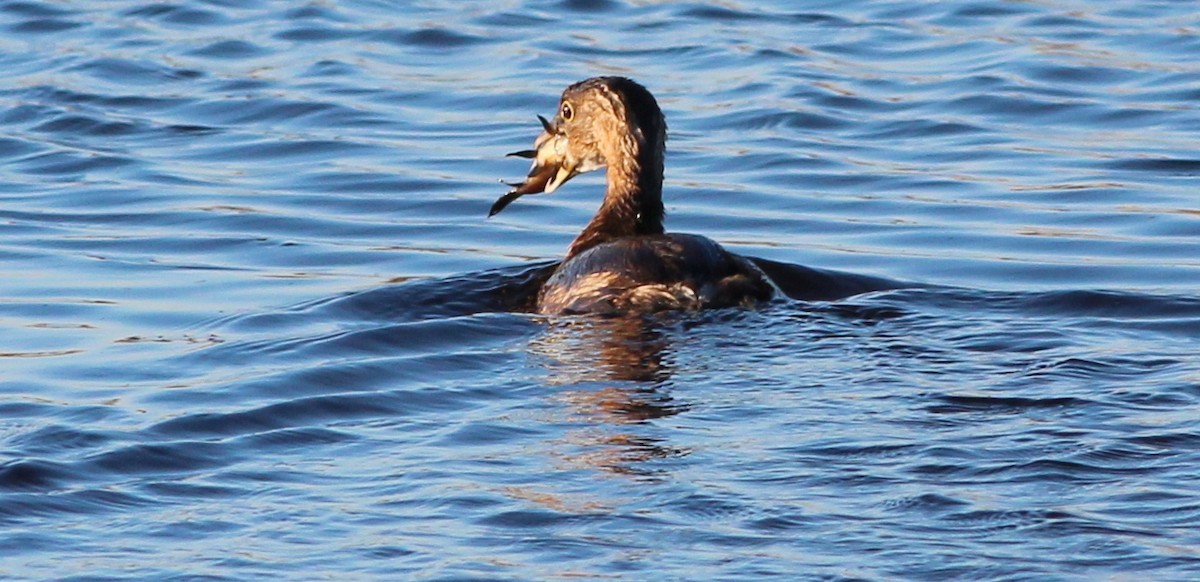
[{"x": 552, "y": 166}]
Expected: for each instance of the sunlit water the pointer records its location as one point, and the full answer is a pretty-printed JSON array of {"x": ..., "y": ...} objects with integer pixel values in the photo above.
[{"x": 255, "y": 324}]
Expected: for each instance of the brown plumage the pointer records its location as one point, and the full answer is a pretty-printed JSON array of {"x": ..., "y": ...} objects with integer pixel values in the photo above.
[{"x": 623, "y": 261}]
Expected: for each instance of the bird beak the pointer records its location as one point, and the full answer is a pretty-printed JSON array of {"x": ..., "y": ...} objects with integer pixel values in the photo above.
[{"x": 551, "y": 167}]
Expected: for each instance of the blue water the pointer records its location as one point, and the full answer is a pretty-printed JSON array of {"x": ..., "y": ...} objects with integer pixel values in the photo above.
[{"x": 254, "y": 323}]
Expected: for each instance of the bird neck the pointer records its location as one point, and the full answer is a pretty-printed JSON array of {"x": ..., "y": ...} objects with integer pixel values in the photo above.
[{"x": 633, "y": 202}]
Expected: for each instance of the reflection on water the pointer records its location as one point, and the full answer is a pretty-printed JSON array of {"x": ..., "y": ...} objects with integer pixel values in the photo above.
[
  {"x": 613, "y": 371},
  {"x": 616, "y": 349}
]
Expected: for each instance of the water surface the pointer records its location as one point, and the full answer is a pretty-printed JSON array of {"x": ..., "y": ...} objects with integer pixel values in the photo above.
[{"x": 256, "y": 325}]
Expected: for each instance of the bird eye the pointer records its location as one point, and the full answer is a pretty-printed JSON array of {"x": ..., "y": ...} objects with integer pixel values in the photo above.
[{"x": 568, "y": 113}]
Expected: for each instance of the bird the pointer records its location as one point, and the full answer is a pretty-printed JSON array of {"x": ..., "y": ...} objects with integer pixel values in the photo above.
[{"x": 623, "y": 261}]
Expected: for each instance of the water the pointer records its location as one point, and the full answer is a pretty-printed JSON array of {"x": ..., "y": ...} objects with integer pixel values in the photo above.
[{"x": 256, "y": 326}]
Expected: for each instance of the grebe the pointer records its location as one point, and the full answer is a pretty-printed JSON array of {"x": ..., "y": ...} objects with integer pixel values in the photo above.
[{"x": 623, "y": 261}]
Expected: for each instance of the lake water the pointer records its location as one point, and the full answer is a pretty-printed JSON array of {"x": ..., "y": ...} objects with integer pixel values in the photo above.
[{"x": 255, "y": 324}]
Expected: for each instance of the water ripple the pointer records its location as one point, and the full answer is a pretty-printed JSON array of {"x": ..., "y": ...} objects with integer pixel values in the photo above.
[{"x": 253, "y": 304}]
